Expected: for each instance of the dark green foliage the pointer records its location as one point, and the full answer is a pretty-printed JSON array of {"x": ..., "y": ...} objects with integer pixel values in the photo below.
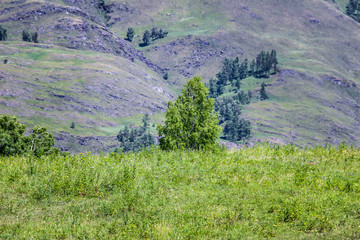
[
  {"x": 13, "y": 142},
  {"x": 5, "y": 61},
  {"x": 146, "y": 121},
  {"x": 137, "y": 137},
  {"x": 237, "y": 129},
  {"x": 130, "y": 34},
  {"x": 101, "y": 4},
  {"x": 263, "y": 94},
  {"x": 228, "y": 108},
  {"x": 3, "y": 34},
  {"x": 353, "y": 9},
  {"x": 26, "y": 36},
  {"x": 146, "y": 38},
  {"x": 264, "y": 64},
  {"x": 157, "y": 33},
  {"x": 72, "y": 125},
  {"x": 190, "y": 122},
  {"x": 166, "y": 76},
  {"x": 243, "y": 98},
  {"x": 34, "y": 37}
]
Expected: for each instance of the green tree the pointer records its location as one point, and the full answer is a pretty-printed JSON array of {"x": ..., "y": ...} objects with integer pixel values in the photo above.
[
  {"x": 190, "y": 122},
  {"x": 130, "y": 34},
  {"x": 237, "y": 129},
  {"x": 34, "y": 37},
  {"x": 11, "y": 136},
  {"x": 351, "y": 8},
  {"x": 26, "y": 36},
  {"x": 3, "y": 34},
  {"x": 146, "y": 121},
  {"x": 146, "y": 38},
  {"x": 263, "y": 94},
  {"x": 40, "y": 141}
]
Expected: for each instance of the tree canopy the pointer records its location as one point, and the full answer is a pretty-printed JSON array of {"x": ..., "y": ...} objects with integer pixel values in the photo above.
[
  {"x": 13, "y": 142},
  {"x": 191, "y": 122}
]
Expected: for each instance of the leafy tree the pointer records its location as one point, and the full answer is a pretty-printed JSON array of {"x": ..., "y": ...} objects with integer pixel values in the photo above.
[
  {"x": 191, "y": 122},
  {"x": 237, "y": 129},
  {"x": 40, "y": 142},
  {"x": 11, "y": 136},
  {"x": 146, "y": 38},
  {"x": 26, "y": 36},
  {"x": 130, "y": 34},
  {"x": 263, "y": 94},
  {"x": 13, "y": 142},
  {"x": 3, "y": 34}
]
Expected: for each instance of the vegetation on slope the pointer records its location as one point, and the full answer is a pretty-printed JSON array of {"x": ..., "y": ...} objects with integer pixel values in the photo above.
[{"x": 261, "y": 192}]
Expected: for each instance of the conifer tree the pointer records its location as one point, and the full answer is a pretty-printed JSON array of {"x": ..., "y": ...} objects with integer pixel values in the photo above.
[
  {"x": 146, "y": 38},
  {"x": 34, "y": 37},
  {"x": 263, "y": 94},
  {"x": 130, "y": 34},
  {"x": 3, "y": 34},
  {"x": 26, "y": 36}
]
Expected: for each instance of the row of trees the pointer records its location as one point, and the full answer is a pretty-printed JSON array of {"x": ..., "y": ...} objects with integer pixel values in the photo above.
[
  {"x": 3, "y": 33},
  {"x": 154, "y": 34},
  {"x": 353, "y": 9},
  {"x": 233, "y": 71},
  {"x": 26, "y": 36},
  {"x": 135, "y": 138},
  {"x": 13, "y": 142}
]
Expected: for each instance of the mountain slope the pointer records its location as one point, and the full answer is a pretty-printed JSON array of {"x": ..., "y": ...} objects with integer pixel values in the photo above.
[{"x": 314, "y": 99}]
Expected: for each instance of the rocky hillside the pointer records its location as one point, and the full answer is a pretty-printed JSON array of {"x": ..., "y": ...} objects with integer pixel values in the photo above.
[{"x": 84, "y": 71}]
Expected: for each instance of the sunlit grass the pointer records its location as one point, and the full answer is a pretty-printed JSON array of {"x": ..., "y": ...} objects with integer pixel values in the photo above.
[{"x": 261, "y": 192}]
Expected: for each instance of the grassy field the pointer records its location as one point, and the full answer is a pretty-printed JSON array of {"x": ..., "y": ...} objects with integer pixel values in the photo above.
[{"x": 262, "y": 192}]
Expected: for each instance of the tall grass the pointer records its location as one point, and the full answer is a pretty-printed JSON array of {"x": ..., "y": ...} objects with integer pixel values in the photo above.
[{"x": 261, "y": 192}]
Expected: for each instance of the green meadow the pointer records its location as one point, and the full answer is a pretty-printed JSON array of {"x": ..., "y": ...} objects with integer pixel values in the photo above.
[{"x": 279, "y": 192}]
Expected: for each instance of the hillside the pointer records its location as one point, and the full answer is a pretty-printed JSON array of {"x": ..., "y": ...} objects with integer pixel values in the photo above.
[{"x": 314, "y": 99}]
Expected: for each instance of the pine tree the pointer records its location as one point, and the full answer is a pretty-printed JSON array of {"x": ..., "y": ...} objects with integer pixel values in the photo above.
[
  {"x": 274, "y": 61},
  {"x": 191, "y": 122},
  {"x": 146, "y": 121},
  {"x": 146, "y": 38},
  {"x": 351, "y": 8},
  {"x": 34, "y": 37},
  {"x": 237, "y": 129},
  {"x": 263, "y": 94},
  {"x": 3, "y": 34},
  {"x": 130, "y": 34}
]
